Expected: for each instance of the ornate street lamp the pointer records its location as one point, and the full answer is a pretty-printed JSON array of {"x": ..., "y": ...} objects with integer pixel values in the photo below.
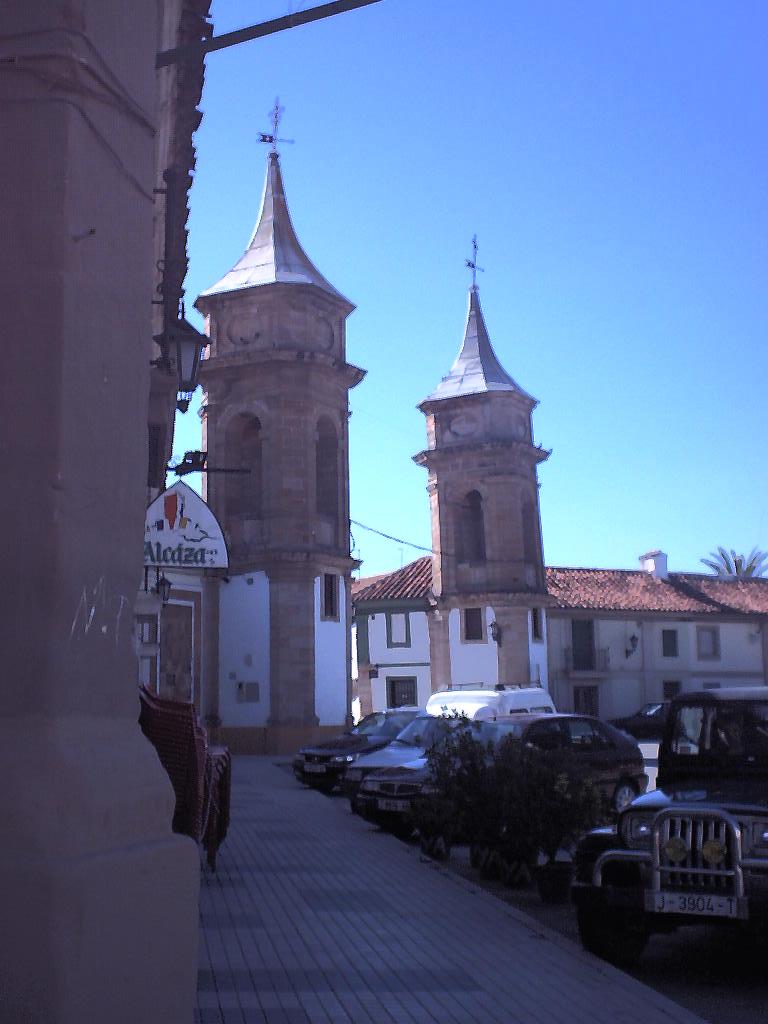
[
  {"x": 186, "y": 348},
  {"x": 181, "y": 347}
]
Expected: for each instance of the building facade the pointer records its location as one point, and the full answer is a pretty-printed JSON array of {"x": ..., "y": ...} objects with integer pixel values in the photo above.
[{"x": 607, "y": 641}]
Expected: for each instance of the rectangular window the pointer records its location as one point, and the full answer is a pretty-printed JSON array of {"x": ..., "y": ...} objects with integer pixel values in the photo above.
[
  {"x": 398, "y": 629},
  {"x": 708, "y": 643},
  {"x": 583, "y": 640},
  {"x": 330, "y": 608},
  {"x": 670, "y": 688},
  {"x": 146, "y": 629},
  {"x": 472, "y": 625},
  {"x": 536, "y": 626},
  {"x": 401, "y": 691},
  {"x": 669, "y": 643},
  {"x": 586, "y": 700}
]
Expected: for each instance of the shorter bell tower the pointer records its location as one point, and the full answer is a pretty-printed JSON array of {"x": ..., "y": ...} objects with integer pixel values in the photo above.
[{"x": 488, "y": 569}]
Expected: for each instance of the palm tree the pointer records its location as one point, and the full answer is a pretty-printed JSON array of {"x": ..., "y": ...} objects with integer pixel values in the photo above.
[{"x": 725, "y": 563}]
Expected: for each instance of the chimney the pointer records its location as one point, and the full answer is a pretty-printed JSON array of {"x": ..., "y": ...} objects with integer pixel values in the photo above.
[{"x": 655, "y": 563}]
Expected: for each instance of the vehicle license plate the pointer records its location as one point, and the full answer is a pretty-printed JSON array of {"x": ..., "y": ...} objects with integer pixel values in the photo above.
[
  {"x": 392, "y": 805},
  {"x": 315, "y": 769},
  {"x": 696, "y": 904}
]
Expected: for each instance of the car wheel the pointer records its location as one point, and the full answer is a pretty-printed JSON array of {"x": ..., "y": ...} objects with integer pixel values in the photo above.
[
  {"x": 623, "y": 795},
  {"x": 401, "y": 829},
  {"x": 606, "y": 933}
]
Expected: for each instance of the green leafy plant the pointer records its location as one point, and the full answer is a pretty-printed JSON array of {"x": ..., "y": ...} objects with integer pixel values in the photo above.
[{"x": 729, "y": 563}]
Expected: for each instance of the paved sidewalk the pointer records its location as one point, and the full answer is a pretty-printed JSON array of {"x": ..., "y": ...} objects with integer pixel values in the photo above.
[{"x": 316, "y": 916}]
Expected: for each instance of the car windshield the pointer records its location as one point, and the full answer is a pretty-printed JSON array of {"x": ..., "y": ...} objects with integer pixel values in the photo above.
[
  {"x": 735, "y": 731},
  {"x": 369, "y": 725},
  {"x": 425, "y": 730}
]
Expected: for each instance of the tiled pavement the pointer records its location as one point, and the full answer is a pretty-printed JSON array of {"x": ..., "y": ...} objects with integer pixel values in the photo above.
[{"x": 315, "y": 916}]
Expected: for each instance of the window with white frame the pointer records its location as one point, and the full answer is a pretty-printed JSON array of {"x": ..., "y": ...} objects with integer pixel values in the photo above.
[
  {"x": 669, "y": 643},
  {"x": 330, "y": 608},
  {"x": 398, "y": 629},
  {"x": 708, "y": 643},
  {"x": 537, "y": 629}
]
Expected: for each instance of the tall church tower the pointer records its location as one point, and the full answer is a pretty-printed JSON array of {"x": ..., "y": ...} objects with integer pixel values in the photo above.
[
  {"x": 488, "y": 572},
  {"x": 276, "y": 407}
]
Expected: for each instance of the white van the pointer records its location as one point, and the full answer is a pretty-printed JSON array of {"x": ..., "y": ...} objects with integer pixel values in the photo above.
[{"x": 489, "y": 704}]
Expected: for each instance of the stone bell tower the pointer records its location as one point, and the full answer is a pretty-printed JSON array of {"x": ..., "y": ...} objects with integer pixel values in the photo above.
[
  {"x": 276, "y": 407},
  {"x": 488, "y": 571}
]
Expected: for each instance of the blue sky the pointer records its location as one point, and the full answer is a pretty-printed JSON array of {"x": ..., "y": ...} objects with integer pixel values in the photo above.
[{"x": 612, "y": 159}]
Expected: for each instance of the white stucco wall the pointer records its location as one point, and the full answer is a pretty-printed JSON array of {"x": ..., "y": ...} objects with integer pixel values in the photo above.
[
  {"x": 411, "y": 660},
  {"x": 331, "y": 661},
  {"x": 475, "y": 662},
  {"x": 244, "y": 648},
  {"x": 639, "y": 677},
  {"x": 537, "y": 652}
]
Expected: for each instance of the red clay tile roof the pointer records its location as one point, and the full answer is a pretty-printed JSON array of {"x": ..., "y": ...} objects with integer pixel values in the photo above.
[
  {"x": 682, "y": 593},
  {"x": 616, "y": 590},
  {"x": 411, "y": 582}
]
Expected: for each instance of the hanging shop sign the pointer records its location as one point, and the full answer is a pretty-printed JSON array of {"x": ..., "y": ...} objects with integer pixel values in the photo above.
[{"x": 181, "y": 532}]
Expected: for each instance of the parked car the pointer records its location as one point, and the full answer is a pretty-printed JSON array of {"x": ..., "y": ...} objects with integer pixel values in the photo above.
[
  {"x": 411, "y": 744},
  {"x": 647, "y": 723},
  {"x": 584, "y": 746},
  {"x": 386, "y": 796},
  {"x": 589, "y": 747},
  {"x": 694, "y": 850},
  {"x": 323, "y": 764}
]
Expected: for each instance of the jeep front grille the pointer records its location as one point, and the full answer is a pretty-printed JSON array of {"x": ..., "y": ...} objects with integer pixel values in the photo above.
[{"x": 699, "y": 851}]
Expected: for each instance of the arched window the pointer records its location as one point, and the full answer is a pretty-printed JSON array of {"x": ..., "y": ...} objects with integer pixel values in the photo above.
[
  {"x": 472, "y": 528},
  {"x": 327, "y": 468},
  {"x": 244, "y": 452}
]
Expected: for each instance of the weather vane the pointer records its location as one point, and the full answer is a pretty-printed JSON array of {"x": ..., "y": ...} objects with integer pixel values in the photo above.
[
  {"x": 271, "y": 137},
  {"x": 472, "y": 264}
]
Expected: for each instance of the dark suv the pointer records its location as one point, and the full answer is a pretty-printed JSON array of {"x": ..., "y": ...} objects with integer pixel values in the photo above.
[
  {"x": 323, "y": 764},
  {"x": 695, "y": 848},
  {"x": 647, "y": 723}
]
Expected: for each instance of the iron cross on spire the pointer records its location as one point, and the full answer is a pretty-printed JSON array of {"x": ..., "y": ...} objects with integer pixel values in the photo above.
[
  {"x": 472, "y": 264},
  {"x": 271, "y": 137}
]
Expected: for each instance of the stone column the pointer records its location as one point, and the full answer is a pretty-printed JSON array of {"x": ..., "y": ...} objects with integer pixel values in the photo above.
[
  {"x": 439, "y": 648},
  {"x": 98, "y": 897},
  {"x": 513, "y": 655},
  {"x": 291, "y": 648}
]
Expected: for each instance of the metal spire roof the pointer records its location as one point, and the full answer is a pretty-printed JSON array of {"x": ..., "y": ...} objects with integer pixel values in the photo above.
[
  {"x": 274, "y": 253},
  {"x": 476, "y": 370}
]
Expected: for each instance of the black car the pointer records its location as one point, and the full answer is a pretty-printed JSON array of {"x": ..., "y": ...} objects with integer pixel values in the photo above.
[
  {"x": 694, "y": 850},
  {"x": 386, "y": 795},
  {"x": 323, "y": 764},
  {"x": 647, "y": 723}
]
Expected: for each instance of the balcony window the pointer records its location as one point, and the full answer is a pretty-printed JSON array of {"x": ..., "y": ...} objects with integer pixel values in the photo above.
[{"x": 583, "y": 645}]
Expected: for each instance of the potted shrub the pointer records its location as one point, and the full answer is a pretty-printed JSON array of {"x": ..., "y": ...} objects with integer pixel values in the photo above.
[{"x": 561, "y": 807}]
